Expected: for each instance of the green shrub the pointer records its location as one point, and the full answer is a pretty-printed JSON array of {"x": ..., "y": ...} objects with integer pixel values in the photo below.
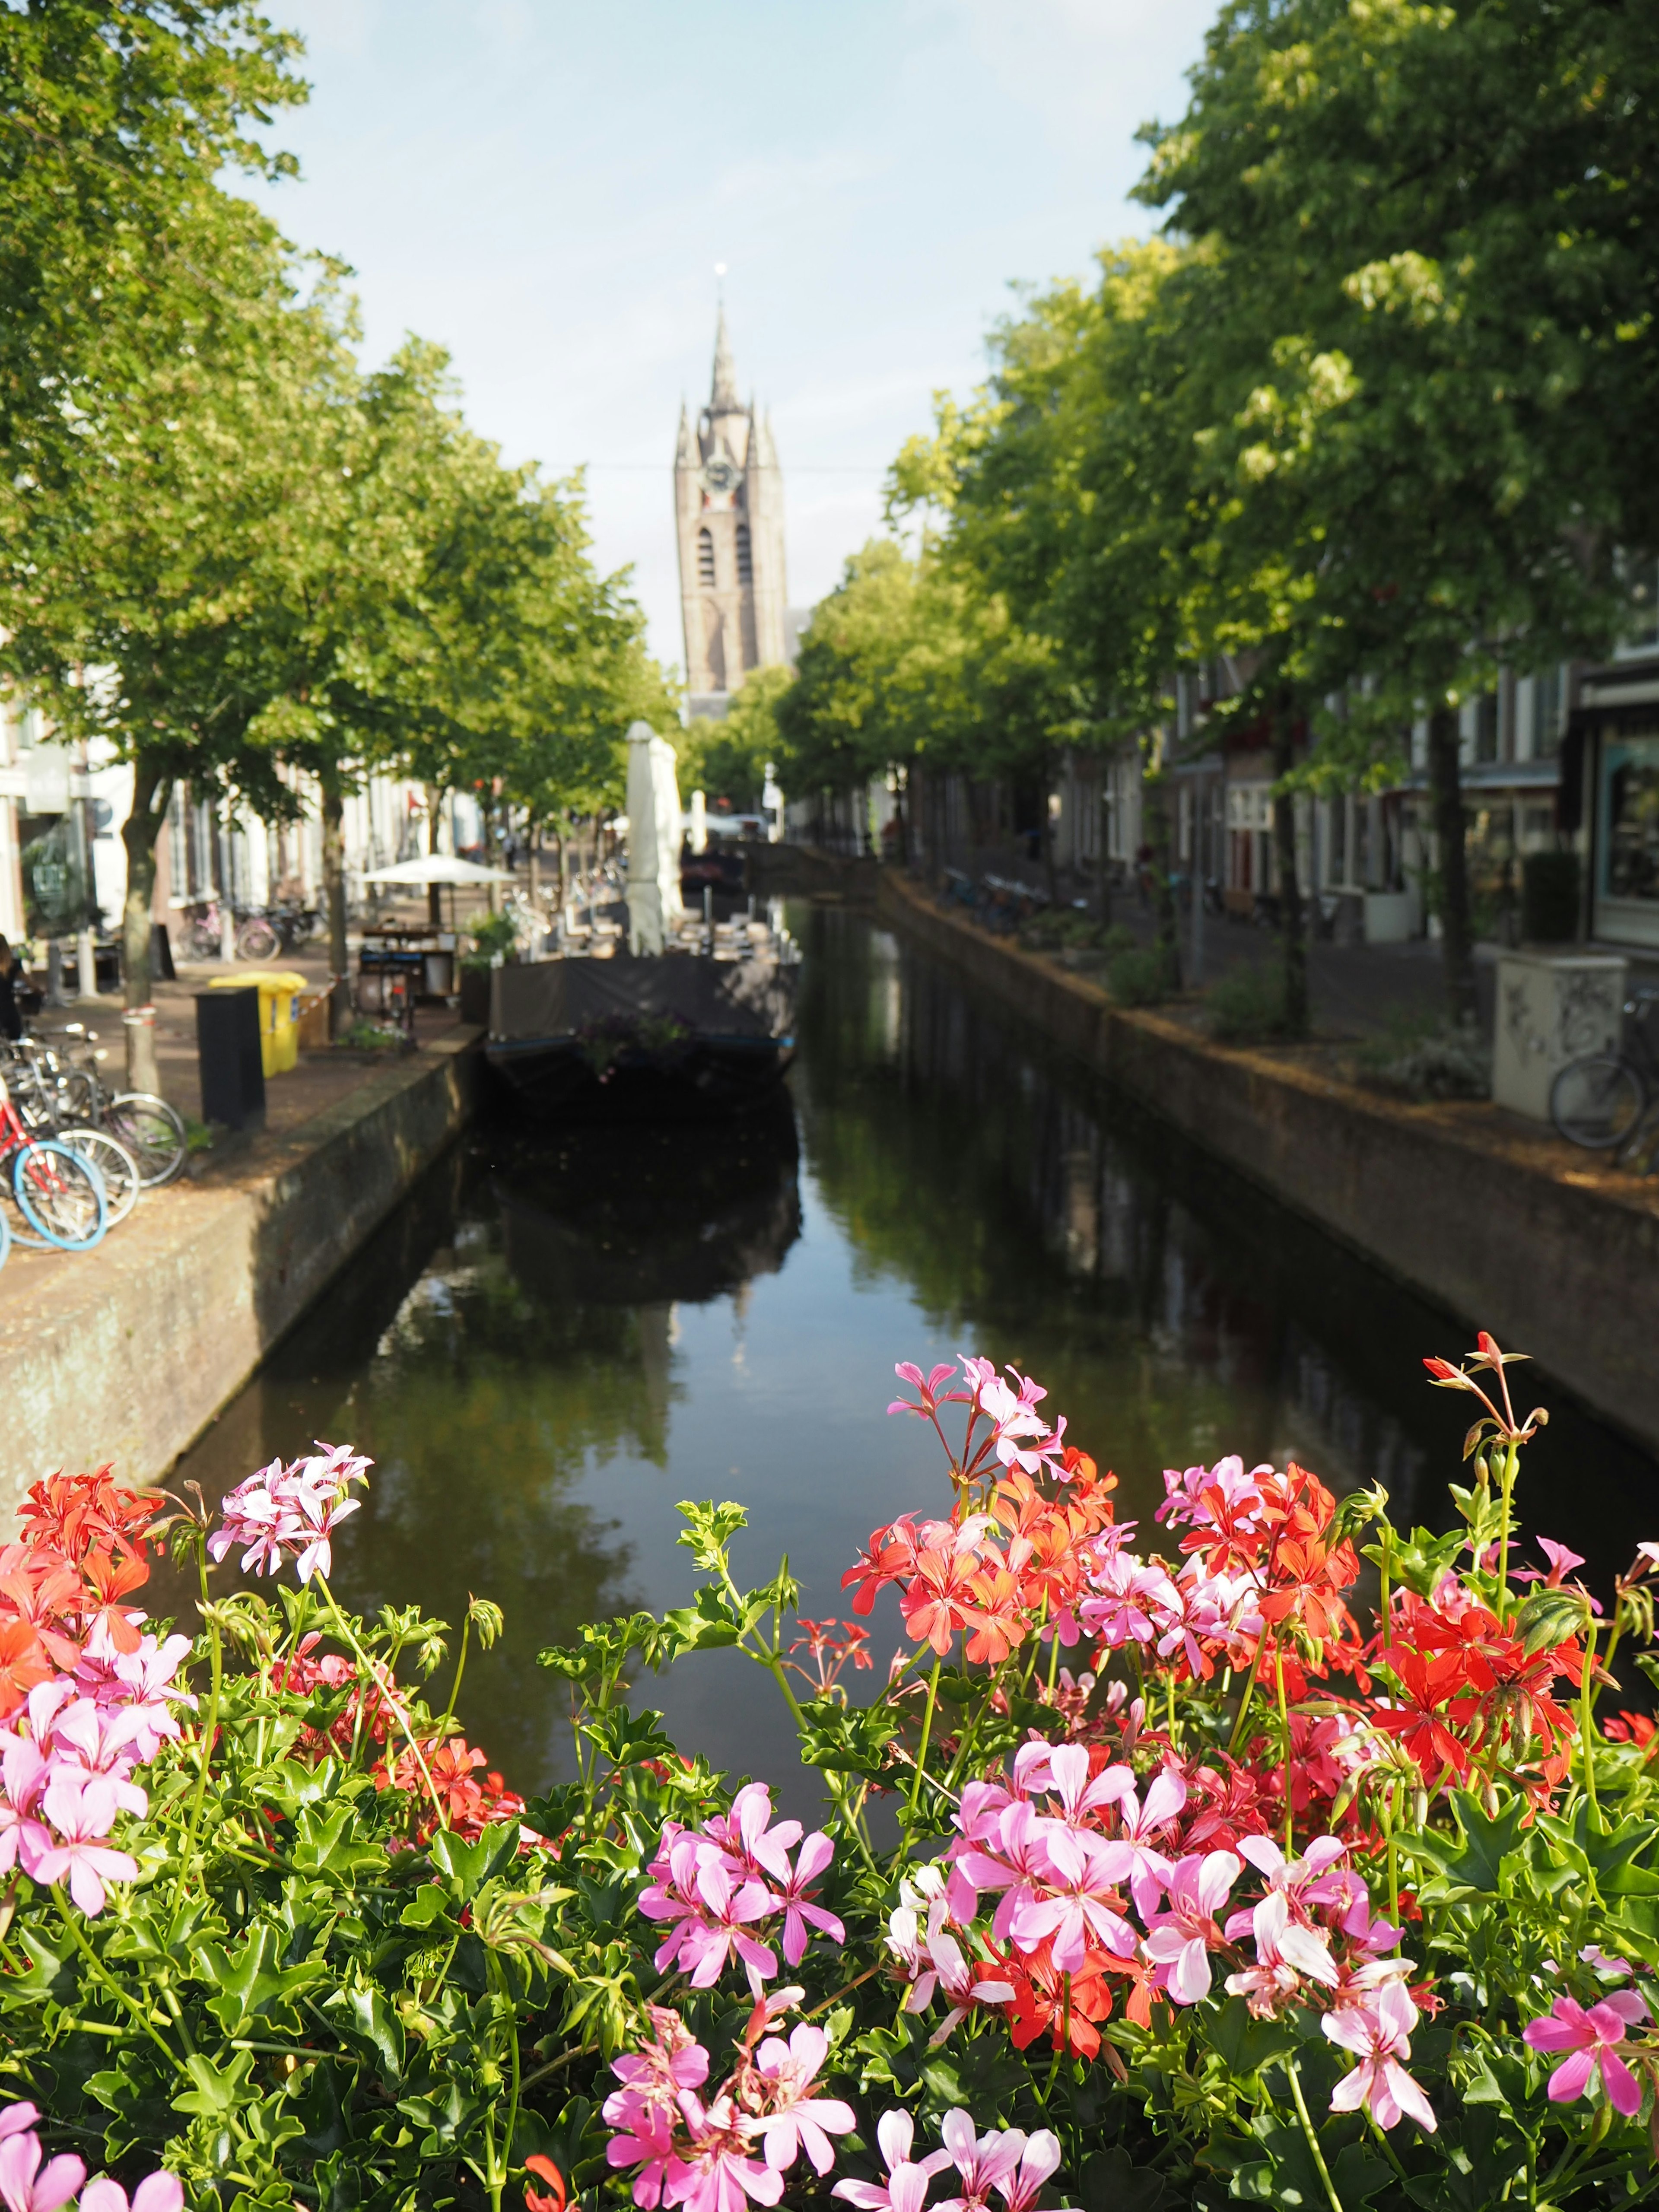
[
  {"x": 1247, "y": 1006},
  {"x": 491, "y": 934},
  {"x": 1138, "y": 978},
  {"x": 1118, "y": 938},
  {"x": 1422, "y": 1056}
]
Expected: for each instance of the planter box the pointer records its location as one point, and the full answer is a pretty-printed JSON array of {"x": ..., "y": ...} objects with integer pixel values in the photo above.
[
  {"x": 1391, "y": 917},
  {"x": 1552, "y": 1008}
]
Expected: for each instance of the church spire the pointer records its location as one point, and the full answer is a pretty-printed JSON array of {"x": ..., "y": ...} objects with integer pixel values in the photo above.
[{"x": 723, "y": 399}]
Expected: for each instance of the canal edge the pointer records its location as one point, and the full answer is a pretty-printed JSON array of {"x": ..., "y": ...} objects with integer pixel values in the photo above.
[
  {"x": 1548, "y": 1255},
  {"x": 128, "y": 1354}
]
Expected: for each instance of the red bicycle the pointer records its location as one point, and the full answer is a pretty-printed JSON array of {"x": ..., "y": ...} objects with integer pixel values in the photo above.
[{"x": 60, "y": 1194}]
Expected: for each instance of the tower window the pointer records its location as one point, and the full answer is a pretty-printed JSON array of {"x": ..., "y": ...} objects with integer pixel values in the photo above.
[
  {"x": 745, "y": 564},
  {"x": 705, "y": 557}
]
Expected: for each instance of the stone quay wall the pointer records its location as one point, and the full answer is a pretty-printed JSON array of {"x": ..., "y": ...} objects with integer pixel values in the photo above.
[
  {"x": 1506, "y": 1231},
  {"x": 127, "y": 1353}
]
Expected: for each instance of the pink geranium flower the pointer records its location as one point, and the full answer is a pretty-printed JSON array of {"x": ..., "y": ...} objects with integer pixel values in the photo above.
[
  {"x": 1179, "y": 1940},
  {"x": 982, "y": 2162},
  {"x": 24, "y": 2187},
  {"x": 1037, "y": 2161},
  {"x": 1379, "y": 2033},
  {"x": 799, "y": 2121},
  {"x": 905, "y": 2188},
  {"x": 81, "y": 1814},
  {"x": 810, "y": 1860},
  {"x": 1590, "y": 2038},
  {"x": 157, "y": 2192}
]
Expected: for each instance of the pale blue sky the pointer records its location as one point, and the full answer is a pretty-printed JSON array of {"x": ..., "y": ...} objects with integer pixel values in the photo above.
[{"x": 543, "y": 187}]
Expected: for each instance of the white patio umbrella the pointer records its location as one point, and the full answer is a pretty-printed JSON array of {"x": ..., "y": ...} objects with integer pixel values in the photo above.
[
  {"x": 654, "y": 840},
  {"x": 436, "y": 868}
]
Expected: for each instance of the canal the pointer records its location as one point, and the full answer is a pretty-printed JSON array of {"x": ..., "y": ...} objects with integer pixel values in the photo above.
[{"x": 558, "y": 1336}]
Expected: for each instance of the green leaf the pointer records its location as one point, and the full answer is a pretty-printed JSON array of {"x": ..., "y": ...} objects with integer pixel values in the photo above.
[
  {"x": 709, "y": 1529},
  {"x": 219, "y": 2089},
  {"x": 468, "y": 1866},
  {"x": 1246, "y": 2045},
  {"x": 332, "y": 1842},
  {"x": 847, "y": 1739},
  {"x": 1475, "y": 1869},
  {"x": 252, "y": 1977}
]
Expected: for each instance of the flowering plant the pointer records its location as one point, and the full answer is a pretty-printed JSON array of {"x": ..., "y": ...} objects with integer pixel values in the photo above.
[{"x": 1282, "y": 1858}]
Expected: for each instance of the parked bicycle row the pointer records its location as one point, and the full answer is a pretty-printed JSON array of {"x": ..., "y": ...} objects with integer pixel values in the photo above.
[{"x": 75, "y": 1156}]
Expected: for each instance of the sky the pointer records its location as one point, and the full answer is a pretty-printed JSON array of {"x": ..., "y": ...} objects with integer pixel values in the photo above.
[{"x": 544, "y": 187}]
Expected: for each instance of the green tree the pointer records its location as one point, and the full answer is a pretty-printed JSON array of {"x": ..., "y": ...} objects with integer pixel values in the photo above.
[
  {"x": 203, "y": 489},
  {"x": 116, "y": 118},
  {"x": 728, "y": 759},
  {"x": 1451, "y": 207}
]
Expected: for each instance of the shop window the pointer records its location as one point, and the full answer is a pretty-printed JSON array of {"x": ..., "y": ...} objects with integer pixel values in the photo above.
[{"x": 1640, "y": 575}]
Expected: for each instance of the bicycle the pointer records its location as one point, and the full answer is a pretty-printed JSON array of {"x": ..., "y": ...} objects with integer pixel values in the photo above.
[
  {"x": 1602, "y": 1100},
  {"x": 58, "y": 1194},
  {"x": 282, "y": 926},
  {"x": 39, "y": 1111},
  {"x": 73, "y": 1092}
]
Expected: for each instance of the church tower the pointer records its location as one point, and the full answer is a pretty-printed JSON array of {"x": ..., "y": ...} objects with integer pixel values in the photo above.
[{"x": 728, "y": 512}]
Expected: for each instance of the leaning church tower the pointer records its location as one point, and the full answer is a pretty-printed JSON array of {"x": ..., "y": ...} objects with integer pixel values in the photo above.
[{"x": 728, "y": 512}]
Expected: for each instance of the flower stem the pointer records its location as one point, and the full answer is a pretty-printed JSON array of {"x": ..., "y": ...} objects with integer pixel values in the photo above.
[
  {"x": 1237, "y": 1736},
  {"x": 1587, "y": 1724},
  {"x": 921, "y": 1748},
  {"x": 72, "y": 1923},
  {"x": 455, "y": 1686},
  {"x": 395, "y": 1705},
  {"x": 1511, "y": 1463},
  {"x": 1301, "y": 2104},
  {"x": 210, "y": 1726},
  {"x": 1285, "y": 1726}
]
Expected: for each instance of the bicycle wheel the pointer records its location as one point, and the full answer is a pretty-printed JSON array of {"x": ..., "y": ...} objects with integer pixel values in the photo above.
[
  {"x": 255, "y": 940},
  {"x": 1597, "y": 1102},
  {"x": 60, "y": 1195},
  {"x": 152, "y": 1132},
  {"x": 114, "y": 1162}
]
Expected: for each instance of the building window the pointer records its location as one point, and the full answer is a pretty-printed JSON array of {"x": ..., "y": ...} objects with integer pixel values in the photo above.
[
  {"x": 705, "y": 557},
  {"x": 745, "y": 565},
  {"x": 1546, "y": 714},
  {"x": 1485, "y": 726}
]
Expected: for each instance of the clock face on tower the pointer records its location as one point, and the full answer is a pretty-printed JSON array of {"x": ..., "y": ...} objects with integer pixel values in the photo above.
[{"x": 721, "y": 475}]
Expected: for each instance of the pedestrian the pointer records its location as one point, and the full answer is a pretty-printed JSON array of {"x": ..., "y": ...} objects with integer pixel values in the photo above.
[{"x": 11, "y": 1021}]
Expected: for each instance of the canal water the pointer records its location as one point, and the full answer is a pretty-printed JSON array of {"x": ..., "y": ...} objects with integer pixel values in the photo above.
[{"x": 559, "y": 1335}]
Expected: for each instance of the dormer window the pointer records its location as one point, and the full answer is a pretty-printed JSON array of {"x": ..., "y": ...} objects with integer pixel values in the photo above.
[{"x": 705, "y": 557}]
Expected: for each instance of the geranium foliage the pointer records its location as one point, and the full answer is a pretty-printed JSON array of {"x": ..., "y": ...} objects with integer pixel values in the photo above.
[{"x": 1273, "y": 1855}]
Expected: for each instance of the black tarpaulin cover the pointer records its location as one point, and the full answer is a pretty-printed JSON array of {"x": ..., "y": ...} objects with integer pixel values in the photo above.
[{"x": 714, "y": 997}]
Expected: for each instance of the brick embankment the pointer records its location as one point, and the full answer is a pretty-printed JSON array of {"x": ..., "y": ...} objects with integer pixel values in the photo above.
[
  {"x": 1510, "y": 1229},
  {"x": 126, "y": 1354}
]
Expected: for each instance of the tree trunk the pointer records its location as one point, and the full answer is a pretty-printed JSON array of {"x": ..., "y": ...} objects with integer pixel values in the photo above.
[
  {"x": 151, "y": 790},
  {"x": 334, "y": 897},
  {"x": 1456, "y": 928},
  {"x": 435, "y": 803},
  {"x": 1292, "y": 917},
  {"x": 1156, "y": 820}
]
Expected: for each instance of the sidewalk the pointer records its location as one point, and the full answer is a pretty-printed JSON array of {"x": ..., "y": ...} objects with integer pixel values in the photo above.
[{"x": 322, "y": 1081}]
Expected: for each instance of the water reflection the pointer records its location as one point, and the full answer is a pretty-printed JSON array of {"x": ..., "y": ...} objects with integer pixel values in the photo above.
[{"x": 555, "y": 1340}]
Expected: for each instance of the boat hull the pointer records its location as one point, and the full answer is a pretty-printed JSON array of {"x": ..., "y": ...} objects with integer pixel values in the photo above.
[{"x": 673, "y": 1037}]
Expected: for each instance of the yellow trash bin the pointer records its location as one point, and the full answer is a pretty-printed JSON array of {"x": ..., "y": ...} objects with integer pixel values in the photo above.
[{"x": 279, "y": 1032}]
